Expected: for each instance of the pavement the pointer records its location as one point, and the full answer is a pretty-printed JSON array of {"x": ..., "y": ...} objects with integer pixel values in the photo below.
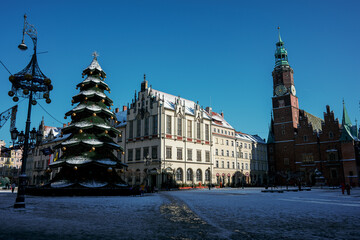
[{"x": 189, "y": 214}]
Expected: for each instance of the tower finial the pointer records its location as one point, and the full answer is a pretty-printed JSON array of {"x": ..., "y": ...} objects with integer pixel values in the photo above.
[
  {"x": 279, "y": 34},
  {"x": 95, "y": 54}
]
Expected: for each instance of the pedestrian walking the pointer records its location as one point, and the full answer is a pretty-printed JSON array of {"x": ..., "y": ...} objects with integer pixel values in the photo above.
[
  {"x": 342, "y": 188},
  {"x": 13, "y": 187},
  {"x": 347, "y": 187}
]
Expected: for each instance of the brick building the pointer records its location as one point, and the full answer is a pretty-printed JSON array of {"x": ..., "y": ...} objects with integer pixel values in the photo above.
[{"x": 305, "y": 148}]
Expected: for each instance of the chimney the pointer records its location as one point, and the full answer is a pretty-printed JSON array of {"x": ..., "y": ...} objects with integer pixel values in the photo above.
[
  {"x": 208, "y": 109},
  {"x": 116, "y": 110},
  {"x": 124, "y": 108},
  {"x": 222, "y": 114}
]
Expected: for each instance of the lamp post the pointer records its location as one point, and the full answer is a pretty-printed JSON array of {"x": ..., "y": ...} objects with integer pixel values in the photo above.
[
  {"x": 29, "y": 83},
  {"x": 209, "y": 169},
  {"x": 147, "y": 163}
]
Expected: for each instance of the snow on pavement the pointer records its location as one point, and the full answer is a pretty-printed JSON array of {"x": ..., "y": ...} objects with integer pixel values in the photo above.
[{"x": 193, "y": 214}]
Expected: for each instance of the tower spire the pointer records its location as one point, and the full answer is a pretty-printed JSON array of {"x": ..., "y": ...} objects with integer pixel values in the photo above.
[{"x": 281, "y": 57}]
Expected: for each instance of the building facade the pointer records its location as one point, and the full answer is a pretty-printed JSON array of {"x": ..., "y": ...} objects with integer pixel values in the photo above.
[
  {"x": 168, "y": 140},
  {"x": 303, "y": 148}
]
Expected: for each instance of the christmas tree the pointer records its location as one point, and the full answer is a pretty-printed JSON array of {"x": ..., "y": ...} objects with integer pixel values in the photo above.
[{"x": 88, "y": 159}]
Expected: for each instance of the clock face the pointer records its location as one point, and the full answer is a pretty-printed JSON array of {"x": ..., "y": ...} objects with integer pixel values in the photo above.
[
  {"x": 280, "y": 90},
  {"x": 293, "y": 90}
]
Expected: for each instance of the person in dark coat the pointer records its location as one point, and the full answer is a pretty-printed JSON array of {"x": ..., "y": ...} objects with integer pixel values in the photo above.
[
  {"x": 343, "y": 188},
  {"x": 347, "y": 187}
]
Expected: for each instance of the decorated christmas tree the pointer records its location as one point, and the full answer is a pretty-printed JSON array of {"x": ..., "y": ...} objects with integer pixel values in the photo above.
[{"x": 88, "y": 159}]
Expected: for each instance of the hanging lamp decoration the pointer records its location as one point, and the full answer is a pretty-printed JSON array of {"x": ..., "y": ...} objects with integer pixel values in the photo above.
[{"x": 30, "y": 82}]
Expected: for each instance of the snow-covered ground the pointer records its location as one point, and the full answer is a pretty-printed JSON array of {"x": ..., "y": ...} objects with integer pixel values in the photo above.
[{"x": 193, "y": 214}]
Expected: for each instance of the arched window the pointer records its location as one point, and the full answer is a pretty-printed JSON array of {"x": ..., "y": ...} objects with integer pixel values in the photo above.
[
  {"x": 179, "y": 174},
  {"x": 189, "y": 175},
  {"x": 198, "y": 175},
  {"x": 207, "y": 175}
]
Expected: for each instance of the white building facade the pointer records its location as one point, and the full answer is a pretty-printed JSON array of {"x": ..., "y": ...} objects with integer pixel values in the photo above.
[{"x": 168, "y": 140}]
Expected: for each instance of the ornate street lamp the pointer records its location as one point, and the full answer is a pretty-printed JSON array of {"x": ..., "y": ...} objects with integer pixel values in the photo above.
[{"x": 29, "y": 83}]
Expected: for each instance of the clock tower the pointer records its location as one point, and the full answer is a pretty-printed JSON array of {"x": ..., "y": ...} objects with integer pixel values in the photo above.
[{"x": 284, "y": 101}]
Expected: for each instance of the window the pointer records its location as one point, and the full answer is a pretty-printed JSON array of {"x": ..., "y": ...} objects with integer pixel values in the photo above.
[
  {"x": 198, "y": 130},
  {"x": 154, "y": 154},
  {"x": 227, "y": 153},
  {"x": 198, "y": 175},
  {"x": 207, "y": 175},
  {"x": 138, "y": 127},
  {"x": 331, "y": 135},
  {"x": 228, "y": 165},
  {"x": 222, "y": 141},
  {"x": 189, "y": 129},
  {"x": 189, "y": 154},
  {"x": 179, "y": 174},
  {"x": 179, "y": 126},
  {"x": 168, "y": 152},
  {"x": 207, "y": 156},
  {"x": 189, "y": 175},
  {"x": 130, "y": 155},
  {"x": 308, "y": 158},
  {"x": 216, "y": 140},
  {"x": 207, "y": 132},
  {"x": 246, "y": 155},
  {"x": 216, "y": 152},
  {"x": 179, "y": 154},
  {"x": 217, "y": 163},
  {"x": 155, "y": 124},
  {"x": 137, "y": 153},
  {"x": 146, "y": 152},
  {"x": 249, "y": 155},
  {"x": 168, "y": 124},
  {"x": 222, "y": 164},
  {"x": 241, "y": 155},
  {"x": 232, "y": 153},
  {"x": 214, "y": 129},
  {"x": 232, "y": 143},
  {"x": 242, "y": 165},
  {"x": 237, "y": 154},
  {"x": 146, "y": 133},
  {"x": 227, "y": 142},
  {"x": 131, "y": 129},
  {"x": 246, "y": 166},
  {"x": 222, "y": 152},
  {"x": 238, "y": 166},
  {"x": 198, "y": 155}
]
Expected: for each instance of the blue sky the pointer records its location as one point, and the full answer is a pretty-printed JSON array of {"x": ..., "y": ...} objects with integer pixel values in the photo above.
[{"x": 220, "y": 53}]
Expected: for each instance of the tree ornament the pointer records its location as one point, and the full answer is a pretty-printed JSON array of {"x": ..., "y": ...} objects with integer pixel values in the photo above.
[
  {"x": 96, "y": 86},
  {"x": 116, "y": 121},
  {"x": 26, "y": 91},
  {"x": 94, "y": 114},
  {"x": 72, "y": 101},
  {"x": 120, "y": 135},
  {"x": 80, "y": 131},
  {"x": 107, "y": 89},
  {"x": 45, "y": 95},
  {"x": 82, "y": 85},
  {"x": 75, "y": 168},
  {"x": 64, "y": 148},
  {"x": 15, "y": 99},
  {"x": 65, "y": 117},
  {"x": 106, "y": 131},
  {"x": 48, "y": 100},
  {"x": 93, "y": 148},
  {"x": 112, "y": 117},
  {"x": 34, "y": 102},
  {"x": 73, "y": 114},
  {"x": 123, "y": 153},
  {"x": 102, "y": 100},
  {"x": 11, "y": 93},
  {"x": 91, "y": 72},
  {"x": 86, "y": 98},
  {"x": 11, "y": 78},
  {"x": 109, "y": 169},
  {"x": 109, "y": 108}
]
